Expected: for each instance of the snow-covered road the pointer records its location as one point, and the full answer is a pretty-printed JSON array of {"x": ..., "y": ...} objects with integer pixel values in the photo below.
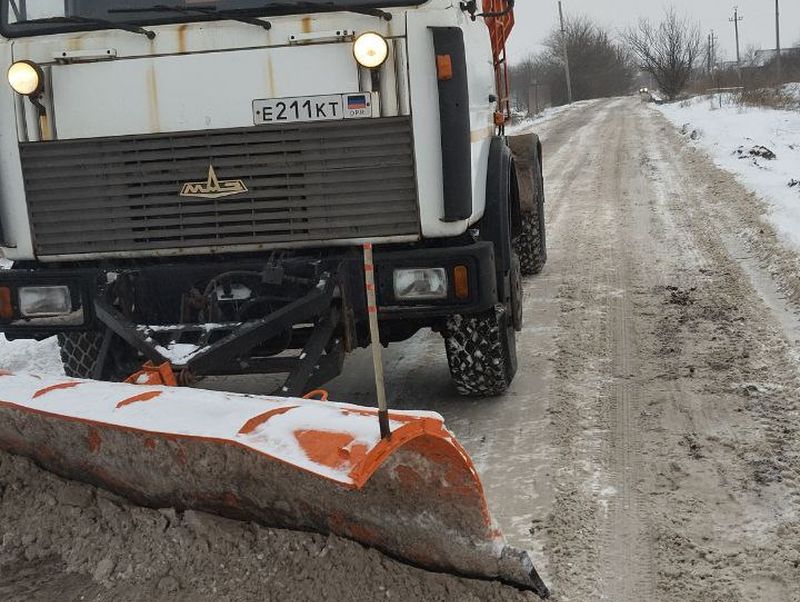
[{"x": 650, "y": 446}]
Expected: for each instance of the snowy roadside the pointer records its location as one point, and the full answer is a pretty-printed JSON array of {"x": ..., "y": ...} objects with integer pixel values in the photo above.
[
  {"x": 520, "y": 126},
  {"x": 760, "y": 146}
]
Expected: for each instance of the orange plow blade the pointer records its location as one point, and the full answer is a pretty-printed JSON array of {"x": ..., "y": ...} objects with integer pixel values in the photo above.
[{"x": 284, "y": 462}]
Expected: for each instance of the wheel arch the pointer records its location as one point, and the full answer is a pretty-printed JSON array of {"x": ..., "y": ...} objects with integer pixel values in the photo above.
[
  {"x": 526, "y": 151},
  {"x": 496, "y": 224}
]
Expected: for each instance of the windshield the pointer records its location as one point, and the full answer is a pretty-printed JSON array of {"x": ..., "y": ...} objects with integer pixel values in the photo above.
[{"x": 38, "y": 17}]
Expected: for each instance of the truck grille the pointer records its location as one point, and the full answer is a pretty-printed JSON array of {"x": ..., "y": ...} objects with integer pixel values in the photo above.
[{"x": 305, "y": 182}]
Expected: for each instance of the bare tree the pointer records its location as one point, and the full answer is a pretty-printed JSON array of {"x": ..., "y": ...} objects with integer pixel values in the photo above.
[
  {"x": 599, "y": 66},
  {"x": 668, "y": 51},
  {"x": 751, "y": 58}
]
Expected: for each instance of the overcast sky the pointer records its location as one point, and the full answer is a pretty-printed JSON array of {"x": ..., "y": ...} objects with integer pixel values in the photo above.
[{"x": 534, "y": 18}]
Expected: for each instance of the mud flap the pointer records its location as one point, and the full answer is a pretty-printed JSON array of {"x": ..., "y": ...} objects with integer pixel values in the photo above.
[{"x": 284, "y": 462}]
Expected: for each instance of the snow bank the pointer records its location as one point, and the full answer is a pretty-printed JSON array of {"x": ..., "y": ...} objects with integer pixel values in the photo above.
[
  {"x": 41, "y": 357},
  {"x": 793, "y": 90},
  {"x": 521, "y": 125},
  {"x": 736, "y": 139},
  {"x": 27, "y": 355}
]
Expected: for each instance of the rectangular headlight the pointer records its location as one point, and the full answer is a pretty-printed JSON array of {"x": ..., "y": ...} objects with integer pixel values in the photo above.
[
  {"x": 420, "y": 284},
  {"x": 44, "y": 301}
]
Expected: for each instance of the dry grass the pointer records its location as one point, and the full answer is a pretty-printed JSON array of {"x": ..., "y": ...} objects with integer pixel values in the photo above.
[{"x": 771, "y": 98}]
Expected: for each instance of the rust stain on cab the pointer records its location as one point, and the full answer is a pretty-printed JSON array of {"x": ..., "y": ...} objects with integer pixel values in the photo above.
[
  {"x": 76, "y": 42},
  {"x": 270, "y": 77},
  {"x": 182, "y": 37},
  {"x": 305, "y": 24},
  {"x": 152, "y": 92}
]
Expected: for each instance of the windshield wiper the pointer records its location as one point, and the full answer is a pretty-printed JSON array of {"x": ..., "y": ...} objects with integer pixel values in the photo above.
[
  {"x": 201, "y": 10},
  {"x": 92, "y": 21}
]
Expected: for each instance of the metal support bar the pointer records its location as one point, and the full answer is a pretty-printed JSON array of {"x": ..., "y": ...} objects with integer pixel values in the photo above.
[
  {"x": 251, "y": 333},
  {"x": 102, "y": 356},
  {"x": 309, "y": 358},
  {"x": 329, "y": 366},
  {"x": 375, "y": 341},
  {"x": 255, "y": 365},
  {"x": 126, "y": 331}
]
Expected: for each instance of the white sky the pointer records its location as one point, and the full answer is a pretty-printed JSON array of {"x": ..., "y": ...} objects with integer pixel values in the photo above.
[{"x": 535, "y": 18}]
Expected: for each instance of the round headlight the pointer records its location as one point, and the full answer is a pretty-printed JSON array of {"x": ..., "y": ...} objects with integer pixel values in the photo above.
[
  {"x": 25, "y": 78},
  {"x": 370, "y": 50}
]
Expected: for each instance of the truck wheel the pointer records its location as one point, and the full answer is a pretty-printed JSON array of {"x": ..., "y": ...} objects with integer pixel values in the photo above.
[
  {"x": 482, "y": 348},
  {"x": 80, "y": 352},
  {"x": 531, "y": 245},
  {"x": 530, "y": 242},
  {"x": 482, "y": 352}
]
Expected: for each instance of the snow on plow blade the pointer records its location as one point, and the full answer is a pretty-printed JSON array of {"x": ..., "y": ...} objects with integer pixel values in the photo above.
[{"x": 284, "y": 462}]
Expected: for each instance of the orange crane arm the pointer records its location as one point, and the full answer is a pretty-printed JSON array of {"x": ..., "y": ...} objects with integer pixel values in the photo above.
[
  {"x": 499, "y": 18},
  {"x": 499, "y": 26}
]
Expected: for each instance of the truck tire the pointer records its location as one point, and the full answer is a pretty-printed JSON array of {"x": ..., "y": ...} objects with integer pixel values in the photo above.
[
  {"x": 530, "y": 245},
  {"x": 529, "y": 241},
  {"x": 482, "y": 348},
  {"x": 481, "y": 352},
  {"x": 80, "y": 352}
]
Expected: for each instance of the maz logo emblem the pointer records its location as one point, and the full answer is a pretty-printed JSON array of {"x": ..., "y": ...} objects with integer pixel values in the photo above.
[{"x": 213, "y": 188}]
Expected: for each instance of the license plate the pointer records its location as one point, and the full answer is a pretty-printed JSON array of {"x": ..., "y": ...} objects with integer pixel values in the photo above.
[{"x": 312, "y": 108}]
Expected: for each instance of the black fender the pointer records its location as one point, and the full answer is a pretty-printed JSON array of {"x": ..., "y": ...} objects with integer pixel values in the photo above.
[
  {"x": 496, "y": 224},
  {"x": 526, "y": 150}
]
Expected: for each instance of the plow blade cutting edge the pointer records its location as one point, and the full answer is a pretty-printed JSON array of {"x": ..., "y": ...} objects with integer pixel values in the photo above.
[{"x": 282, "y": 462}]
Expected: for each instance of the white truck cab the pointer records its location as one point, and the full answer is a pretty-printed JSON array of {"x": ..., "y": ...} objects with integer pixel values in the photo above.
[{"x": 190, "y": 182}]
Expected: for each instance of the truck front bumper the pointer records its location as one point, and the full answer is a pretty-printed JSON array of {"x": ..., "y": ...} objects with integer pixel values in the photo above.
[{"x": 470, "y": 285}]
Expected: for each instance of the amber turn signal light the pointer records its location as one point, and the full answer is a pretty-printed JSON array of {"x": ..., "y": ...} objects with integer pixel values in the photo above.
[
  {"x": 444, "y": 66},
  {"x": 461, "y": 282},
  {"x": 6, "y": 309}
]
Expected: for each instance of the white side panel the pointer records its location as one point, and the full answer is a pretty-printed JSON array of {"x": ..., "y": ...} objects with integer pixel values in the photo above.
[
  {"x": 480, "y": 70},
  {"x": 192, "y": 92},
  {"x": 425, "y": 112},
  {"x": 13, "y": 210}
]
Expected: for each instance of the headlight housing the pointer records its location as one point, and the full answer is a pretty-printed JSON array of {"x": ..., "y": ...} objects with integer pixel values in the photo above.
[
  {"x": 420, "y": 284},
  {"x": 37, "y": 301},
  {"x": 26, "y": 78},
  {"x": 370, "y": 50}
]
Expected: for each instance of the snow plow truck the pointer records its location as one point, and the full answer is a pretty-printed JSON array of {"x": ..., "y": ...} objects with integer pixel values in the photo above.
[{"x": 186, "y": 189}]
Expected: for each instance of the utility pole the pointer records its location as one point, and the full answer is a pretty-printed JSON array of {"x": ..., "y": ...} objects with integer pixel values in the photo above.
[
  {"x": 736, "y": 18},
  {"x": 778, "y": 40},
  {"x": 712, "y": 54},
  {"x": 566, "y": 53},
  {"x": 714, "y": 70}
]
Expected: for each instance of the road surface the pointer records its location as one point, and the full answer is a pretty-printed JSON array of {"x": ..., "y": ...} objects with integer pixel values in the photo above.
[{"x": 648, "y": 448}]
